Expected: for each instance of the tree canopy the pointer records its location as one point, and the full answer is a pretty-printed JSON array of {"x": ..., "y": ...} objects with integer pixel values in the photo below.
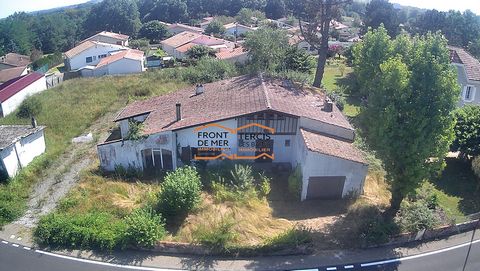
[
  {"x": 154, "y": 31},
  {"x": 275, "y": 9},
  {"x": 381, "y": 12},
  {"x": 119, "y": 16},
  {"x": 467, "y": 131},
  {"x": 215, "y": 28},
  {"x": 411, "y": 92}
]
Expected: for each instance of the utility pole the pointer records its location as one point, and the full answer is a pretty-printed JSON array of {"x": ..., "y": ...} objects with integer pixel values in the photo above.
[{"x": 470, "y": 246}]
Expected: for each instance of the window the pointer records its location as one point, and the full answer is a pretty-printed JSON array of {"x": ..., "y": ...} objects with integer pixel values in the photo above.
[
  {"x": 89, "y": 59},
  {"x": 102, "y": 56},
  {"x": 469, "y": 93},
  {"x": 156, "y": 160},
  {"x": 287, "y": 142}
]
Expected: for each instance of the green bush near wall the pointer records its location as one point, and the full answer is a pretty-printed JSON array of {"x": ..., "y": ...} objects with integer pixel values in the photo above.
[{"x": 295, "y": 182}]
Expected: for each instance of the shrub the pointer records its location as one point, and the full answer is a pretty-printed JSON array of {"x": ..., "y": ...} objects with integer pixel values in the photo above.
[
  {"x": 3, "y": 175},
  {"x": 91, "y": 231},
  {"x": 375, "y": 230},
  {"x": 208, "y": 70},
  {"x": 264, "y": 187},
  {"x": 135, "y": 131},
  {"x": 30, "y": 107},
  {"x": 416, "y": 216},
  {"x": 289, "y": 239},
  {"x": 144, "y": 228},
  {"x": 180, "y": 191},
  {"x": 241, "y": 177},
  {"x": 467, "y": 130},
  {"x": 295, "y": 182},
  {"x": 217, "y": 237}
]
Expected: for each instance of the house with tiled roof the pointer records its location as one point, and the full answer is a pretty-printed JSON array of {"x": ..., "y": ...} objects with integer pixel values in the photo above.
[
  {"x": 8, "y": 74},
  {"x": 109, "y": 37},
  {"x": 118, "y": 63},
  {"x": 247, "y": 118},
  {"x": 233, "y": 55},
  {"x": 16, "y": 90},
  {"x": 89, "y": 53},
  {"x": 178, "y": 28},
  {"x": 236, "y": 29},
  {"x": 468, "y": 75}
]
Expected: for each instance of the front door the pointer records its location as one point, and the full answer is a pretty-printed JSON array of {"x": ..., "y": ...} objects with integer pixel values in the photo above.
[{"x": 264, "y": 146}]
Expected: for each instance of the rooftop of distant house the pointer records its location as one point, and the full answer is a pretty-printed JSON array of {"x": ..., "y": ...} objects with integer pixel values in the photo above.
[
  {"x": 113, "y": 35},
  {"x": 8, "y": 74},
  {"x": 228, "y": 53},
  {"x": 15, "y": 60},
  {"x": 125, "y": 54},
  {"x": 187, "y": 27},
  {"x": 13, "y": 86},
  {"x": 86, "y": 45},
  {"x": 10, "y": 134},
  {"x": 471, "y": 64},
  {"x": 231, "y": 98}
]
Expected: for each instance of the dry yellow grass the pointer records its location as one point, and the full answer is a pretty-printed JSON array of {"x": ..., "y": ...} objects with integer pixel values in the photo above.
[{"x": 254, "y": 222}]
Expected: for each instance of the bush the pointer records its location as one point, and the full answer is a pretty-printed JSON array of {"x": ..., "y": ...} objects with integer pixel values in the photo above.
[
  {"x": 467, "y": 131},
  {"x": 264, "y": 187},
  {"x": 295, "y": 182},
  {"x": 417, "y": 216},
  {"x": 208, "y": 70},
  {"x": 217, "y": 237},
  {"x": 89, "y": 231},
  {"x": 180, "y": 192},
  {"x": 289, "y": 239},
  {"x": 30, "y": 107},
  {"x": 144, "y": 228},
  {"x": 223, "y": 193},
  {"x": 241, "y": 177}
]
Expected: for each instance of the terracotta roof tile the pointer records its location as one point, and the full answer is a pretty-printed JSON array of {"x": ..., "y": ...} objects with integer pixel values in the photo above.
[
  {"x": 11, "y": 73},
  {"x": 332, "y": 146},
  {"x": 471, "y": 64},
  {"x": 228, "y": 99},
  {"x": 16, "y": 60},
  {"x": 129, "y": 54},
  {"x": 228, "y": 53}
]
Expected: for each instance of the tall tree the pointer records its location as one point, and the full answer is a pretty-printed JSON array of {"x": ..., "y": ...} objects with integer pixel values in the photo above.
[
  {"x": 381, "y": 12},
  {"x": 215, "y": 28},
  {"x": 407, "y": 117},
  {"x": 275, "y": 9},
  {"x": 314, "y": 20},
  {"x": 154, "y": 30},
  {"x": 114, "y": 15},
  {"x": 267, "y": 48},
  {"x": 171, "y": 11}
]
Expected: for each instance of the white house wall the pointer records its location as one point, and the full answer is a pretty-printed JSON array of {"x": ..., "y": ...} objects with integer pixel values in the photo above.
[
  {"x": 129, "y": 153},
  {"x": 27, "y": 148},
  {"x": 80, "y": 61},
  {"x": 14, "y": 102},
  {"x": 119, "y": 67},
  {"x": 463, "y": 82}
]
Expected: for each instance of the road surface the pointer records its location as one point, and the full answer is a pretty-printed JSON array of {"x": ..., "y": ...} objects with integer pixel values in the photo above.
[{"x": 14, "y": 257}]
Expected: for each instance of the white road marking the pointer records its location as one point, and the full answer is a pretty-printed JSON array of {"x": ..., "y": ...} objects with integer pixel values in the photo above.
[
  {"x": 348, "y": 266},
  {"x": 5, "y": 242},
  {"x": 331, "y": 268},
  {"x": 106, "y": 264},
  {"x": 417, "y": 256},
  {"x": 316, "y": 269},
  {"x": 26, "y": 248},
  {"x": 15, "y": 245}
]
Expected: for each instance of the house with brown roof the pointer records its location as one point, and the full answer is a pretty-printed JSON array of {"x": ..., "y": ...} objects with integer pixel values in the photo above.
[
  {"x": 16, "y": 90},
  {"x": 468, "y": 75},
  {"x": 12, "y": 60},
  {"x": 118, "y": 63},
  {"x": 109, "y": 37},
  {"x": 178, "y": 28},
  {"x": 8, "y": 74},
  {"x": 247, "y": 118},
  {"x": 89, "y": 53}
]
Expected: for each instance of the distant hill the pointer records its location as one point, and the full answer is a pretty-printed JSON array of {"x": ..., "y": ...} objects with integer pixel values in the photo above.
[{"x": 46, "y": 11}]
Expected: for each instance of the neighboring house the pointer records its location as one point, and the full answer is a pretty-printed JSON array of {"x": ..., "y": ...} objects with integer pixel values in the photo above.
[
  {"x": 236, "y": 29},
  {"x": 178, "y": 45},
  {"x": 233, "y": 55},
  {"x": 250, "y": 118},
  {"x": 118, "y": 63},
  {"x": 13, "y": 92},
  {"x": 178, "y": 28},
  {"x": 301, "y": 43},
  {"x": 8, "y": 74},
  {"x": 19, "y": 145},
  {"x": 468, "y": 74},
  {"x": 205, "y": 22},
  {"x": 12, "y": 60},
  {"x": 109, "y": 37},
  {"x": 89, "y": 53}
]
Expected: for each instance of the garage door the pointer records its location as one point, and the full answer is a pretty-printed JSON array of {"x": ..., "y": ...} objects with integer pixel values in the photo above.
[{"x": 325, "y": 187}]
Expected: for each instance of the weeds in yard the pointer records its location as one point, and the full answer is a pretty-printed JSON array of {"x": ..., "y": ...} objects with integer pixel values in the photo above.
[{"x": 218, "y": 235}]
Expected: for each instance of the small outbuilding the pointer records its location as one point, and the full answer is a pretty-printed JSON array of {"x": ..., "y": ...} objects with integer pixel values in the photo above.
[{"x": 19, "y": 145}]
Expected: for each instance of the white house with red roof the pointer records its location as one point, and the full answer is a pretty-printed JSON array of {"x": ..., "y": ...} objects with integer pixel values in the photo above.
[
  {"x": 109, "y": 37},
  {"x": 15, "y": 91},
  {"x": 89, "y": 53},
  {"x": 247, "y": 118},
  {"x": 118, "y": 63}
]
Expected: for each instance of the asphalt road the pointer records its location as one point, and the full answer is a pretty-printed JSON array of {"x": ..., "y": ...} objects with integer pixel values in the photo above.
[{"x": 18, "y": 258}]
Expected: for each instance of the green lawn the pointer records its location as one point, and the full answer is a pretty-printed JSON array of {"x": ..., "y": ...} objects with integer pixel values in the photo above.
[
  {"x": 457, "y": 190},
  {"x": 67, "y": 110}
]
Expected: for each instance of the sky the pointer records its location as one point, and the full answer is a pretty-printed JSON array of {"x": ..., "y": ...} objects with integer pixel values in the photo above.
[
  {"x": 8, "y": 7},
  {"x": 443, "y": 5}
]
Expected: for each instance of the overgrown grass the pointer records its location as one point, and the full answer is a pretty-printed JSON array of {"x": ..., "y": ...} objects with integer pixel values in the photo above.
[{"x": 67, "y": 111}]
